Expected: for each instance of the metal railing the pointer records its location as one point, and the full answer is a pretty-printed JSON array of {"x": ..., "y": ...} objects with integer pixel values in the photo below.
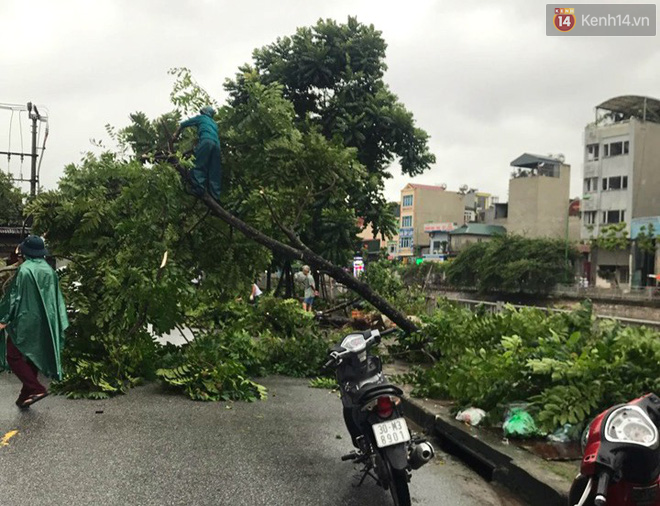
[
  {"x": 495, "y": 307},
  {"x": 640, "y": 293}
]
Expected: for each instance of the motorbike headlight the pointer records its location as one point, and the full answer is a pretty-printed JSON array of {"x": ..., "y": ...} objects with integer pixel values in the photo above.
[
  {"x": 631, "y": 424},
  {"x": 353, "y": 342}
]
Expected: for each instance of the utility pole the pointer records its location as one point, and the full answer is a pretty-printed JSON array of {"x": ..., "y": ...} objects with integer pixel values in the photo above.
[{"x": 34, "y": 116}]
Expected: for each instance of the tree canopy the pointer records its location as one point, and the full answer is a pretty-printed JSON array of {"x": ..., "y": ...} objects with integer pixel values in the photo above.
[
  {"x": 332, "y": 74},
  {"x": 11, "y": 201},
  {"x": 512, "y": 264},
  {"x": 290, "y": 180}
]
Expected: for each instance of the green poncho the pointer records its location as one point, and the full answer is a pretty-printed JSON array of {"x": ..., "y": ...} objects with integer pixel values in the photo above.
[{"x": 34, "y": 310}]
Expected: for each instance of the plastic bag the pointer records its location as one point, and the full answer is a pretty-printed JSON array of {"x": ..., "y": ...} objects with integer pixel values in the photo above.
[
  {"x": 562, "y": 434},
  {"x": 473, "y": 416},
  {"x": 518, "y": 422}
]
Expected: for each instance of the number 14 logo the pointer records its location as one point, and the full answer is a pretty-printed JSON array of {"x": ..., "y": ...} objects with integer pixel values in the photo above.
[{"x": 564, "y": 19}]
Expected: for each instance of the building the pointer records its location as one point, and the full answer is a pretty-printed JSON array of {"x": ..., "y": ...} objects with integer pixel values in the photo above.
[
  {"x": 539, "y": 205},
  {"x": 10, "y": 237},
  {"x": 371, "y": 244},
  {"x": 422, "y": 204},
  {"x": 471, "y": 233},
  {"x": 621, "y": 184},
  {"x": 477, "y": 204},
  {"x": 539, "y": 198},
  {"x": 438, "y": 240}
]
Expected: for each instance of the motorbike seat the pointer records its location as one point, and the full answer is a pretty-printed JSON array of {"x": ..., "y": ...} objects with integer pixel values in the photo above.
[{"x": 372, "y": 391}]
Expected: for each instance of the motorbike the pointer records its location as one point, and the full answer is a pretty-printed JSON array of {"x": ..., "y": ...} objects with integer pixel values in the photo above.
[
  {"x": 385, "y": 446},
  {"x": 621, "y": 461}
]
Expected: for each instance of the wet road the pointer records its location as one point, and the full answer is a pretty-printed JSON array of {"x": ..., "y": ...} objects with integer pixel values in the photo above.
[{"x": 154, "y": 448}]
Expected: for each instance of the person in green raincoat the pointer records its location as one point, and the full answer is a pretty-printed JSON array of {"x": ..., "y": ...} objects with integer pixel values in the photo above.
[
  {"x": 32, "y": 322},
  {"x": 207, "y": 171}
]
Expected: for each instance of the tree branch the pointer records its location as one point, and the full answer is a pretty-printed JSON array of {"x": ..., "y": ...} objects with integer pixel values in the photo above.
[{"x": 303, "y": 253}]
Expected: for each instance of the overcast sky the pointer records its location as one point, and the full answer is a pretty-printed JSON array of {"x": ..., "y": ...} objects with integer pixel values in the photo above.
[{"x": 481, "y": 77}]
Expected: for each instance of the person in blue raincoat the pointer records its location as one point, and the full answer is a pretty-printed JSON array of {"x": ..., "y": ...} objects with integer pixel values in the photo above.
[{"x": 206, "y": 173}]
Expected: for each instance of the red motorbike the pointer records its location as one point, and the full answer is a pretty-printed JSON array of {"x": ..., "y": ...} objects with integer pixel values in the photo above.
[{"x": 621, "y": 462}]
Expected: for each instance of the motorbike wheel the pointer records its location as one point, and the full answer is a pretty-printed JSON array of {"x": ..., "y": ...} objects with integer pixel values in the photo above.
[{"x": 399, "y": 487}]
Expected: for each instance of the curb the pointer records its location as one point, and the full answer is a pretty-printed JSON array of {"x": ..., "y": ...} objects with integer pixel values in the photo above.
[{"x": 485, "y": 459}]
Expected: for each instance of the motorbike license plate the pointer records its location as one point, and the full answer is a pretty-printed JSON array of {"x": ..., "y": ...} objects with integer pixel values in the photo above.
[{"x": 391, "y": 432}]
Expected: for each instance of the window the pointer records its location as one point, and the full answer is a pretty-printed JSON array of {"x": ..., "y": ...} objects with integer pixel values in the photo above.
[
  {"x": 407, "y": 200},
  {"x": 592, "y": 152},
  {"x": 590, "y": 184},
  {"x": 613, "y": 216},
  {"x": 405, "y": 242},
  {"x": 615, "y": 183},
  {"x": 589, "y": 217},
  {"x": 406, "y": 221},
  {"x": 615, "y": 149}
]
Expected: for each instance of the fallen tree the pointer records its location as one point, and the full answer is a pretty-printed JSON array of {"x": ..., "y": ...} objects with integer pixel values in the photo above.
[
  {"x": 299, "y": 251},
  {"x": 297, "y": 175}
]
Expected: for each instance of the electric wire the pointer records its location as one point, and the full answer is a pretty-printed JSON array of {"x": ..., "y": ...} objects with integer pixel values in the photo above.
[{"x": 42, "y": 118}]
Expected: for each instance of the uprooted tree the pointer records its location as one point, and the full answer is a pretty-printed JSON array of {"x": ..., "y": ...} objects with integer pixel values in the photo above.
[{"x": 307, "y": 135}]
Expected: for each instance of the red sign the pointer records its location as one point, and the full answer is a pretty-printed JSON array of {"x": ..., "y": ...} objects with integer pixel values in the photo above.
[
  {"x": 564, "y": 19},
  {"x": 439, "y": 227}
]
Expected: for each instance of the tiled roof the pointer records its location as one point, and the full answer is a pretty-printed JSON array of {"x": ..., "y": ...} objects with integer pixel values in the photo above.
[{"x": 13, "y": 230}]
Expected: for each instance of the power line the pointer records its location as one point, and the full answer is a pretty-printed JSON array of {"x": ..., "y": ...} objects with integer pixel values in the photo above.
[{"x": 36, "y": 118}]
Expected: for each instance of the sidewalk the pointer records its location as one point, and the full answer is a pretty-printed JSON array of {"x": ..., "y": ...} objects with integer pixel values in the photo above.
[{"x": 534, "y": 479}]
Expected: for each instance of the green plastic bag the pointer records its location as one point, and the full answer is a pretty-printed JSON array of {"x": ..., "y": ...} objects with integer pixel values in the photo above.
[{"x": 519, "y": 423}]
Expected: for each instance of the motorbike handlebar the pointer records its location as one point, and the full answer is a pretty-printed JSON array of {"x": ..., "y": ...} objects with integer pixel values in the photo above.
[
  {"x": 601, "y": 489},
  {"x": 389, "y": 331},
  {"x": 328, "y": 364},
  {"x": 374, "y": 339}
]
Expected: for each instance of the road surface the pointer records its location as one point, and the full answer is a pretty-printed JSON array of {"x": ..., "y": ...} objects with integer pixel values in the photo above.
[{"x": 154, "y": 448}]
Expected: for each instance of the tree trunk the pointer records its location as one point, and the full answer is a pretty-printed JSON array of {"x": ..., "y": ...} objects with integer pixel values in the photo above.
[
  {"x": 303, "y": 253},
  {"x": 288, "y": 280},
  {"x": 318, "y": 262},
  {"x": 280, "y": 279}
]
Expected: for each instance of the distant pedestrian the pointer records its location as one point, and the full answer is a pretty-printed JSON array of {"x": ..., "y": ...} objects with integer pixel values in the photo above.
[
  {"x": 310, "y": 289},
  {"x": 32, "y": 322},
  {"x": 207, "y": 171},
  {"x": 256, "y": 293}
]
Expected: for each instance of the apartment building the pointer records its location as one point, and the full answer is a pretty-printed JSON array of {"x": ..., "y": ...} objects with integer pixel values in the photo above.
[
  {"x": 539, "y": 196},
  {"x": 539, "y": 203},
  {"x": 422, "y": 204},
  {"x": 621, "y": 182}
]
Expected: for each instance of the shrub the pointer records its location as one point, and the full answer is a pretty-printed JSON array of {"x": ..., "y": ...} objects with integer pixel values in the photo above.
[
  {"x": 568, "y": 365},
  {"x": 512, "y": 264}
]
